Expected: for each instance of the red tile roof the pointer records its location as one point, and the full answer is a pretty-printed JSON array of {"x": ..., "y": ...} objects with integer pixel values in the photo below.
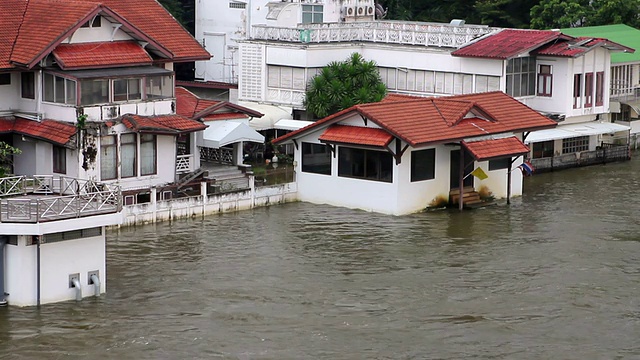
[
  {"x": 356, "y": 135},
  {"x": 57, "y": 132},
  {"x": 508, "y": 43},
  {"x": 496, "y": 148},
  {"x": 190, "y": 105},
  {"x": 31, "y": 29},
  {"x": 579, "y": 46},
  {"x": 422, "y": 121},
  {"x": 162, "y": 124},
  {"x": 101, "y": 55}
]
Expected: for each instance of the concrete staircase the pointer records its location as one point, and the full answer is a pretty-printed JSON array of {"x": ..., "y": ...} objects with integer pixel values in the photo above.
[
  {"x": 470, "y": 197},
  {"x": 228, "y": 178}
]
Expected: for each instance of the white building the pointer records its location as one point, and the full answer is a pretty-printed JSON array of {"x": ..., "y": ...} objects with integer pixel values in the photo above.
[{"x": 87, "y": 95}]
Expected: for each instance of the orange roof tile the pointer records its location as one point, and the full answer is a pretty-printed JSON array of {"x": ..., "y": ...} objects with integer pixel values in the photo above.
[
  {"x": 579, "y": 46},
  {"x": 190, "y": 105},
  {"x": 356, "y": 135},
  {"x": 422, "y": 121},
  {"x": 162, "y": 124},
  {"x": 57, "y": 132},
  {"x": 496, "y": 148},
  {"x": 508, "y": 43},
  {"x": 101, "y": 55}
]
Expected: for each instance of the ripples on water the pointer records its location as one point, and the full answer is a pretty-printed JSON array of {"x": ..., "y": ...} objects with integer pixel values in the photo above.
[{"x": 552, "y": 276}]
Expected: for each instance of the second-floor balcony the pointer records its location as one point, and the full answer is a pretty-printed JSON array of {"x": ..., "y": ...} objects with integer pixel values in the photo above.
[
  {"x": 38, "y": 199},
  {"x": 390, "y": 32}
]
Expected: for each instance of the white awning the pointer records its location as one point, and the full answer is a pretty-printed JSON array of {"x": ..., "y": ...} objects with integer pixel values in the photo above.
[
  {"x": 574, "y": 130},
  {"x": 288, "y": 124},
  {"x": 221, "y": 133},
  {"x": 272, "y": 114}
]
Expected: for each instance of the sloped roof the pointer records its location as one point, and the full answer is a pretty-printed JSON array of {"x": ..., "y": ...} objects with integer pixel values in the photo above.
[
  {"x": 100, "y": 55},
  {"x": 356, "y": 135},
  {"x": 57, "y": 132},
  {"x": 579, "y": 46},
  {"x": 423, "y": 121},
  {"x": 33, "y": 28},
  {"x": 508, "y": 43},
  {"x": 162, "y": 124},
  {"x": 496, "y": 148},
  {"x": 620, "y": 33},
  {"x": 190, "y": 105}
]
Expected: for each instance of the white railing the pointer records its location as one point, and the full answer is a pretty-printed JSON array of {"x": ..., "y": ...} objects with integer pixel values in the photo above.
[
  {"x": 184, "y": 163},
  {"x": 73, "y": 198},
  {"x": 423, "y": 34}
]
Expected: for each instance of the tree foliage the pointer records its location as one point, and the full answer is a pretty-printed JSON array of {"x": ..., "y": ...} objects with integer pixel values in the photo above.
[
  {"x": 6, "y": 157},
  {"x": 342, "y": 84},
  {"x": 551, "y": 14}
]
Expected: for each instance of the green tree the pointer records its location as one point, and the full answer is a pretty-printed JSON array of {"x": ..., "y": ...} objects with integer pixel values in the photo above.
[
  {"x": 606, "y": 12},
  {"x": 554, "y": 14},
  {"x": 6, "y": 157},
  {"x": 342, "y": 84}
]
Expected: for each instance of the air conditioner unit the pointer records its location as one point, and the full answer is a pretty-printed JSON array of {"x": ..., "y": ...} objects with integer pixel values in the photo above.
[
  {"x": 370, "y": 10},
  {"x": 361, "y": 10},
  {"x": 349, "y": 11},
  {"x": 110, "y": 112}
]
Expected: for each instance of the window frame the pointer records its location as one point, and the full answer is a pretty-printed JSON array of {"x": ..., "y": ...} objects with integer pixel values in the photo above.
[
  {"x": 128, "y": 145},
  {"x": 516, "y": 73},
  {"x": 308, "y": 150},
  {"x": 542, "y": 149},
  {"x": 28, "y": 85},
  {"x": 59, "y": 159},
  {"x": 545, "y": 80},
  {"x": 364, "y": 159},
  {"x": 5, "y": 78},
  {"x": 588, "y": 89},
  {"x": 104, "y": 147},
  {"x": 423, "y": 173},
  {"x": 62, "y": 93},
  {"x": 599, "y": 88},
  {"x": 577, "y": 91},
  {"x": 153, "y": 140},
  {"x": 499, "y": 164},
  {"x": 575, "y": 144},
  {"x": 314, "y": 11}
]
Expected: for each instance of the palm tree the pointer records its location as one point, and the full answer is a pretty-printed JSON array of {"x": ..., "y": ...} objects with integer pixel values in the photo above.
[{"x": 342, "y": 84}]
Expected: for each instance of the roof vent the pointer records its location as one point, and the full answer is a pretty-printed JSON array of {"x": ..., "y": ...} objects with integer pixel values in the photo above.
[{"x": 457, "y": 22}]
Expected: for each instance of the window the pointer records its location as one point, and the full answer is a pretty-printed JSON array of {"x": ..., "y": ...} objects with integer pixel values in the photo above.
[
  {"x": 128, "y": 150},
  {"x": 365, "y": 164},
  {"x": 599, "y": 88},
  {"x": 498, "y": 164},
  {"x": 543, "y": 149},
  {"x": 545, "y": 79},
  {"x": 59, "y": 160},
  {"x": 5, "y": 79},
  {"x": 148, "y": 154},
  {"x": 94, "y": 92},
  {"x": 159, "y": 87},
  {"x": 95, "y": 22},
  {"x": 316, "y": 158},
  {"x": 423, "y": 165},
  {"x": 108, "y": 157},
  {"x": 28, "y": 85},
  {"x": 126, "y": 89},
  {"x": 59, "y": 90},
  {"x": 311, "y": 14},
  {"x": 286, "y": 77},
  {"x": 588, "y": 90},
  {"x": 575, "y": 144},
  {"x": 521, "y": 76},
  {"x": 577, "y": 90}
]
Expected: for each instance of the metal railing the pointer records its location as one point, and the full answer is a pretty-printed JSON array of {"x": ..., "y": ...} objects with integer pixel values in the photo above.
[
  {"x": 47, "y": 198},
  {"x": 393, "y": 32}
]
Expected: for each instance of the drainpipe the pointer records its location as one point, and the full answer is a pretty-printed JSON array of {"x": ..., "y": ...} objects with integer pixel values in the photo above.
[
  {"x": 96, "y": 284},
  {"x": 3, "y": 242},
  {"x": 37, "y": 270},
  {"x": 76, "y": 285}
]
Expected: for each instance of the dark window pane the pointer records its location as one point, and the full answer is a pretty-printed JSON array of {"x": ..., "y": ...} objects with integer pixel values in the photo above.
[
  {"x": 423, "y": 165},
  {"x": 316, "y": 158}
]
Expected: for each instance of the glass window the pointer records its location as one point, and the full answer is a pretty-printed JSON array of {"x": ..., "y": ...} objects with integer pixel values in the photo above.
[
  {"x": 365, "y": 164},
  {"x": 575, "y": 144},
  {"x": 316, "y": 158},
  {"x": 543, "y": 149},
  {"x": 28, "y": 85},
  {"x": 520, "y": 76},
  {"x": 5, "y": 79},
  {"x": 423, "y": 165},
  {"x": 59, "y": 90},
  {"x": 311, "y": 14},
  {"x": 126, "y": 89},
  {"x": 599, "y": 88},
  {"x": 588, "y": 89},
  {"x": 108, "y": 157},
  {"x": 545, "y": 79},
  {"x": 159, "y": 87},
  {"x": 128, "y": 155},
  {"x": 59, "y": 160},
  {"x": 498, "y": 164},
  {"x": 577, "y": 90},
  {"x": 94, "y": 92},
  {"x": 148, "y": 154},
  {"x": 48, "y": 87}
]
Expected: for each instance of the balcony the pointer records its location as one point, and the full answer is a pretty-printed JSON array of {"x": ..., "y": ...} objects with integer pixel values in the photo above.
[
  {"x": 387, "y": 32},
  {"x": 39, "y": 199}
]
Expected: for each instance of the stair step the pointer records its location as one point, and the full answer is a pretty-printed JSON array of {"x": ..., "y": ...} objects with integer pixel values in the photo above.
[{"x": 467, "y": 189}]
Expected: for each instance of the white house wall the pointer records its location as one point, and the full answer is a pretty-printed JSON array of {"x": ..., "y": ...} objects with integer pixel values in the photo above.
[
  {"x": 58, "y": 261},
  {"x": 9, "y": 93},
  {"x": 95, "y": 34}
]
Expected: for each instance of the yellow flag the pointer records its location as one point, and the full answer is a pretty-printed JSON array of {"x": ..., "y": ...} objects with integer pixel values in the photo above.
[{"x": 479, "y": 173}]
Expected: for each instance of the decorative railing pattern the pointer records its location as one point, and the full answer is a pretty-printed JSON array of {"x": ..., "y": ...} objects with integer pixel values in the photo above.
[
  {"x": 46, "y": 198},
  {"x": 220, "y": 156},
  {"x": 392, "y": 32},
  {"x": 604, "y": 154},
  {"x": 184, "y": 164}
]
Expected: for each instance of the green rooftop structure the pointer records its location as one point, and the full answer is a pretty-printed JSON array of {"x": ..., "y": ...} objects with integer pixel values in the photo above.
[{"x": 620, "y": 33}]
